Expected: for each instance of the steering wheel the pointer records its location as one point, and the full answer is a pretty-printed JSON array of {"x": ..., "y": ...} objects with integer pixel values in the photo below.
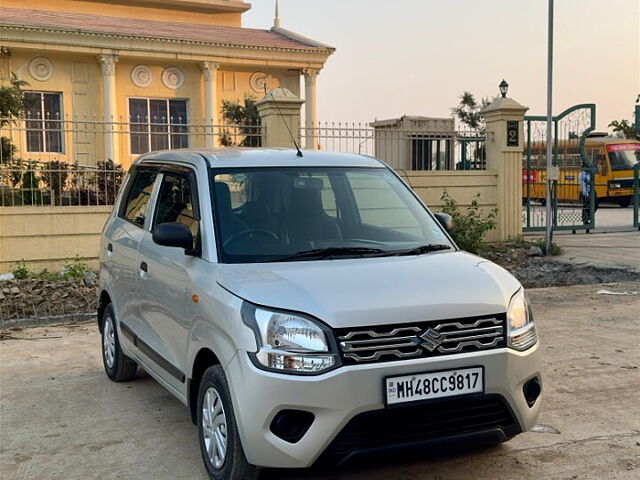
[{"x": 249, "y": 231}]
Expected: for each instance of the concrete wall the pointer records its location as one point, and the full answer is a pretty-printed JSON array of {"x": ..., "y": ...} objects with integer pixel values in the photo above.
[
  {"x": 48, "y": 237},
  {"x": 461, "y": 186}
]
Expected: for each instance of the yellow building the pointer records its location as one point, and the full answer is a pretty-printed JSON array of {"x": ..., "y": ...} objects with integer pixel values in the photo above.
[{"x": 110, "y": 79}]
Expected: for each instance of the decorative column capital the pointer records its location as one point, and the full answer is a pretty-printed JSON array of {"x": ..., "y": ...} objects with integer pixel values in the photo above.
[
  {"x": 310, "y": 73},
  {"x": 108, "y": 64},
  {"x": 209, "y": 70}
]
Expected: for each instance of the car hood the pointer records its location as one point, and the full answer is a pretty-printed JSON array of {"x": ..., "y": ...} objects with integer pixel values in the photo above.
[{"x": 376, "y": 291}]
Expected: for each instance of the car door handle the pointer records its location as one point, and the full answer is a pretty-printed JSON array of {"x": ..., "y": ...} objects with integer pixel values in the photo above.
[{"x": 143, "y": 267}]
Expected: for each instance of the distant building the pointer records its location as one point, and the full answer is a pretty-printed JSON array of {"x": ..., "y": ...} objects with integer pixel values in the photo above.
[
  {"x": 416, "y": 143},
  {"x": 158, "y": 69}
]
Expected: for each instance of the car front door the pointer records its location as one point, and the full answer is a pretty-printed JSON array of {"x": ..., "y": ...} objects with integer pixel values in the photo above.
[{"x": 165, "y": 286}]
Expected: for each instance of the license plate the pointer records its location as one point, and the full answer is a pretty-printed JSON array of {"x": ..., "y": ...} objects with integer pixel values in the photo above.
[{"x": 426, "y": 386}]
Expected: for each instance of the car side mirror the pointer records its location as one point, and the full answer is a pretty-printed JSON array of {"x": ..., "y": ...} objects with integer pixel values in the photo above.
[
  {"x": 174, "y": 234},
  {"x": 445, "y": 220}
]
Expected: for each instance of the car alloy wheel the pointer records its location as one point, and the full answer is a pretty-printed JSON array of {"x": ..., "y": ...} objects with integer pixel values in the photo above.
[
  {"x": 109, "y": 342},
  {"x": 214, "y": 427}
]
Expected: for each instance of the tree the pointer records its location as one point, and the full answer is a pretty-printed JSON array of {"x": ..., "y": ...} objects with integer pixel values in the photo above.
[
  {"x": 468, "y": 111},
  {"x": 12, "y": 100},
  {"x": 624, "y": 129},
  {"x": 12, "y": 105},
  {"x": 244, "y": 119}
]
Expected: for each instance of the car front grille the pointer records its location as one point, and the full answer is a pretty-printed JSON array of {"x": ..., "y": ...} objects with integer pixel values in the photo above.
[
  {"x": 426, "y": 339},
  {"x": 415, "y": 424}
]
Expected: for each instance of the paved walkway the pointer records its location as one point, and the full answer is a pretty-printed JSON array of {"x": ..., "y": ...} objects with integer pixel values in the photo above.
[{"x": 618, "y": 250}]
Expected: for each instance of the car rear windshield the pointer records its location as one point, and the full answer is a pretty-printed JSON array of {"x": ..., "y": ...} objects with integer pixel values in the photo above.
[{"x": 295, "y": 213}]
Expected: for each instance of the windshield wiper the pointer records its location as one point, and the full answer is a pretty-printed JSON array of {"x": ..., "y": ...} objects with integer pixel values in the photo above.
[
  {"x": 320, "y": 253},
  {"x": 422, "y": 249}
]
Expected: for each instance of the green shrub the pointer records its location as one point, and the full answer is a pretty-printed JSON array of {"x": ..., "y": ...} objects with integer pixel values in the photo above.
[
  {"x": 470, "y": 227},
  {"x": 76, "y": 269},
  {"x": 21, "y": 271},
  {"x": 45, "y": 274}
]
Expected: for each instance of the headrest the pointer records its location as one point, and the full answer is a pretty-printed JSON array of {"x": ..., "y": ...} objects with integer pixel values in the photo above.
[
  {"x": 306, "y": 201},
  {"x": 306, "y": 183},
  {"x": 222, "y": 197}
]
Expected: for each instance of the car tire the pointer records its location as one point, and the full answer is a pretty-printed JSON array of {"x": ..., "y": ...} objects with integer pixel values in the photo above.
[
  {"x": 216, "y": 421},
  {"x": 117, "y": 365}
]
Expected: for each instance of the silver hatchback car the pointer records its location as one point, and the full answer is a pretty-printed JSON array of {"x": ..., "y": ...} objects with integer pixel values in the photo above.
[{"x": 309, "y": 309}]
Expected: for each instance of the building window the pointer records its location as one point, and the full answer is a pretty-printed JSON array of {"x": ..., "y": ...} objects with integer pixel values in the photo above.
[
  {"x": 157, "y": 124},
  {"x": 44, "y": 122}
]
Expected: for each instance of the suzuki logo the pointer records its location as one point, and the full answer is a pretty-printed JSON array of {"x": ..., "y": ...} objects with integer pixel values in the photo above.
[{"x": 432, "y": 339}]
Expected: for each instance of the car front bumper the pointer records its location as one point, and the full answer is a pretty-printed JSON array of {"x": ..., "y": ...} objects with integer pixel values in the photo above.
[{"x": 340, "y": 395}]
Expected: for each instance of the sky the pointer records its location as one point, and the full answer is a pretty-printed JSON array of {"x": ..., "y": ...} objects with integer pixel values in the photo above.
[{"x": 416, "y": 57}]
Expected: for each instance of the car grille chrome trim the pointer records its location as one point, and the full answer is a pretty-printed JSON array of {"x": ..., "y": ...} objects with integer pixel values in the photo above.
[
  {"x": 371, "y": 344},
  {"x": 374, "y": 334}
]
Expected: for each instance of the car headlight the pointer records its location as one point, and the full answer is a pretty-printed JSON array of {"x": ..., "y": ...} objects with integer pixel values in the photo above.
[
  {"x": 520, "y": 325},
  {"x": 615, "y": 185},
  {"x": 289, "y": 342}
]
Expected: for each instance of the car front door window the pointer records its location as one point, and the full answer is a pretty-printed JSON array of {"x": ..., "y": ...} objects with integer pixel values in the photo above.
[{"x": 176, "y": 203}]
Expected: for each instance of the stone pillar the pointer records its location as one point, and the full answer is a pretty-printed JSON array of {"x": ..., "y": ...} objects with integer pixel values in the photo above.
[
  {"x": 504, "y": 149},
  {"x": 279, "y": 112},
  {"x": 109, "y": 106},
  {"x": 311, "y": 112},
  {"x": 209, "y": 70}
]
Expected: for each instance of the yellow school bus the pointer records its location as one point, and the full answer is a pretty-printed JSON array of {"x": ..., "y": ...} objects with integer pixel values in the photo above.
[{"x": 613, "y": 158}]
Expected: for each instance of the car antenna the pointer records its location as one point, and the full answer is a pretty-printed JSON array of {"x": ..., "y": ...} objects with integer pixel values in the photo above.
[{"x": 293, "y": 139}]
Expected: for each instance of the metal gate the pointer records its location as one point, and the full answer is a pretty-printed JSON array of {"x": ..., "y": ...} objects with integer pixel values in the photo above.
[{"x": 573, "y": 176}]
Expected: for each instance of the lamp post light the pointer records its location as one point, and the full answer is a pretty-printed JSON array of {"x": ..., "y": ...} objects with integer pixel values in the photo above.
[{"x": 504, "y": 87}]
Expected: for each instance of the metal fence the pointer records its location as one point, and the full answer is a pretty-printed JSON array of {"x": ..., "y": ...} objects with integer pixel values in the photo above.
[
  {"x": 57, "y": 183},
  {"x": 84, "y": 140},
  {"x": 53, "y": 161},
  {"x": 79, "y": 161},
  {"x": 401, "y": 148}
]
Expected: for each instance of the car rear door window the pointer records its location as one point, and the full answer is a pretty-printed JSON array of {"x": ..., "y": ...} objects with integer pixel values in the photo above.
[{"x": 137, "y": 203}]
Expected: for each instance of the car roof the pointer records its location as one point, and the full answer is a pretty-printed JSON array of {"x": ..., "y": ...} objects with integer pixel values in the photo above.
[{"x": 261, "y": 157}]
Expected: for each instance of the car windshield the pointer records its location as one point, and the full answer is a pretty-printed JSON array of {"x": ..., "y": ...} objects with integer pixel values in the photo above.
[
  {"x": 302, "y": 213},
  {"x": 624, "y": 156}
]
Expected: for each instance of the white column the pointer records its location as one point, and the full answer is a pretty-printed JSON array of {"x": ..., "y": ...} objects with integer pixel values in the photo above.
[
  {"x": 109, "y": 106},
  {"x": 311, "y": 108},
  {"x": 209, "y": 70}
]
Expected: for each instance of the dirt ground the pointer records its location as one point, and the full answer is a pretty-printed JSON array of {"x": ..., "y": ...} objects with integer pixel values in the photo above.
[{"x": 61, "y": 418}]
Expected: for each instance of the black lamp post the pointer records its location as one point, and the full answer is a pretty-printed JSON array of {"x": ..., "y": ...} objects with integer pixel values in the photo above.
[{"x": 504, "y": 86}]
